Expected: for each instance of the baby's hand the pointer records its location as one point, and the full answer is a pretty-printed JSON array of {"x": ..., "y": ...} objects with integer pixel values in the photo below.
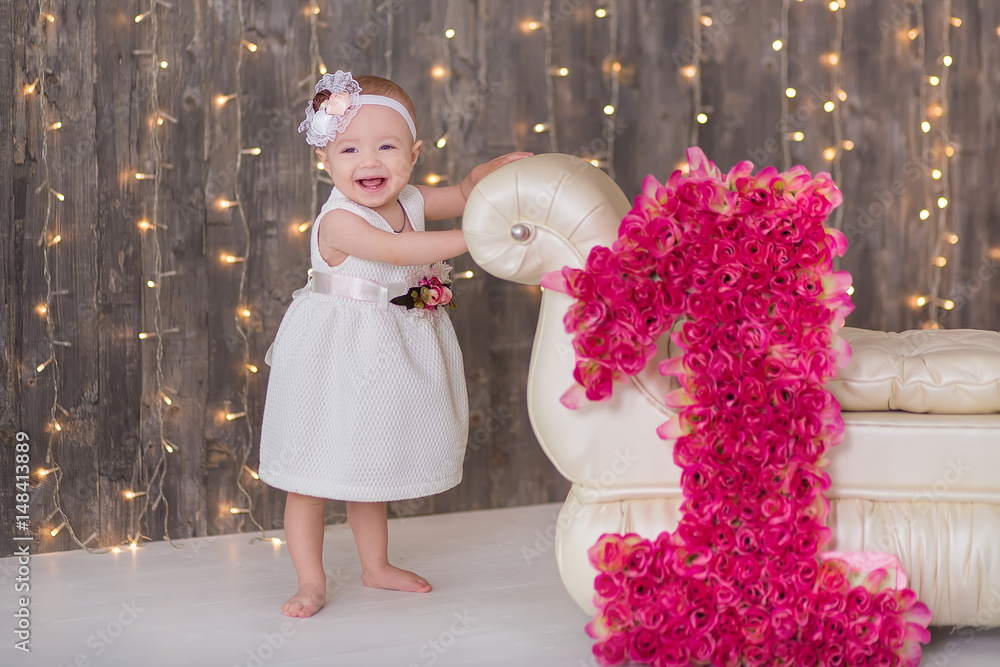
[{"x": 482, "y": 171}]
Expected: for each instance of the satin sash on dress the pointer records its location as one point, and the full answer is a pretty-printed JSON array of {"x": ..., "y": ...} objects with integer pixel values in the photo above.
[{"x": 348, "y": 287}]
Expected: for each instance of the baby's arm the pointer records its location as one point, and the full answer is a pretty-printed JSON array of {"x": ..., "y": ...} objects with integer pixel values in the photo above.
[
  {"x": 350, "y": 234},
  {"x": 449, "y": 202}
]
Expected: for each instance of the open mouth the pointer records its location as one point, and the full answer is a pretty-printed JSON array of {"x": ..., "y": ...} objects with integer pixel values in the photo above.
[{"x": 371, "y": 184}]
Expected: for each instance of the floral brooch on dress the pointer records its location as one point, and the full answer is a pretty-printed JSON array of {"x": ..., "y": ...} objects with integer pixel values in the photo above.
[{"x": 431, "y": 290}]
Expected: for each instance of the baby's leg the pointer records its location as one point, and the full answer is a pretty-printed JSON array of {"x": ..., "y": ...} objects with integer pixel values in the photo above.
[
  {"x": 304, "y": 534},
  {"x": 371, "y": 534}
]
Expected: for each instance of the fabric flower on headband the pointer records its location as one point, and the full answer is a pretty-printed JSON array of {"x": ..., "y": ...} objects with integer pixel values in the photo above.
[{"x": 334, "y": 113}]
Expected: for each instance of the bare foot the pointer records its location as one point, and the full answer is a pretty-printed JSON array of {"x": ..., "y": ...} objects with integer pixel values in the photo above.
[
  {"x": 395, "y": 579},
  {"x": 309, "y": 599}
]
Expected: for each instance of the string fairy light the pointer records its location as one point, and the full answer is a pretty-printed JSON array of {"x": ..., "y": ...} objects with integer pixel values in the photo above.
[
  {"x": 551, "y": 71},
  {"x": 611, "y": 110},
  {"x": 693, "y": 73},
  {"x": 834, "y": 152},
  {"x": 46, "y": 241},
  {"x": 786, "y": 146},
  {"x": 937, "y": 189},
  {"x": 241, "y": 325},
  {"x": 152, "y": 495}
]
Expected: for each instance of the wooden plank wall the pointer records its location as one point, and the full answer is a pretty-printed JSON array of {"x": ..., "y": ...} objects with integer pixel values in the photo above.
[{"x": 98, "y": 74}]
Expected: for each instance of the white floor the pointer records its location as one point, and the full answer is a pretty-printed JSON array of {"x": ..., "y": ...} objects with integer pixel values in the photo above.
[{"x": 216, "y": 603}]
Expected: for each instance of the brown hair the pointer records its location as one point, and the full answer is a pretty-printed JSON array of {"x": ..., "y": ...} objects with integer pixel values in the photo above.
[{"x": 376, "y": 85}]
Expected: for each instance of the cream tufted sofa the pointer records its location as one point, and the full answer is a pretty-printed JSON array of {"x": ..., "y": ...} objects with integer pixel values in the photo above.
[{"x": 918, "y": 472}]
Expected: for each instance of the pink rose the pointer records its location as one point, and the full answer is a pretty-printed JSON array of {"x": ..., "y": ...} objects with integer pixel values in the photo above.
[
  {"x": 608, "y": 554},
  {"x": 643, "y": 646},
  {"x": 607, "y": 588},
  {"x": 337, "y": 104}
]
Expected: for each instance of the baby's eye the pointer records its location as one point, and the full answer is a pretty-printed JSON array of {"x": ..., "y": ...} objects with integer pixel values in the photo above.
[
  {"x": 386, "y": 147},
  {"x": 349, "y": 150}
]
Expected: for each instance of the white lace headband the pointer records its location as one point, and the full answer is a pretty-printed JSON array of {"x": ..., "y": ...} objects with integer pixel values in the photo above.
[{"x": 337, "y": 111}]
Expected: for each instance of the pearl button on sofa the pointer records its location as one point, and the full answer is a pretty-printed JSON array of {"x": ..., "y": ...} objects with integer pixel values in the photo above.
[{"x": 917, "y": 474}]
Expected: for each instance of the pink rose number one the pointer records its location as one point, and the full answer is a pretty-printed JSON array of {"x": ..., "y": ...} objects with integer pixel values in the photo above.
[{"x": 746, "y": 261}]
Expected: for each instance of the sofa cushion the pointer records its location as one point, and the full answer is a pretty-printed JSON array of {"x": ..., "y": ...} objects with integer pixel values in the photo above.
[{"x": 954, "y": 371}]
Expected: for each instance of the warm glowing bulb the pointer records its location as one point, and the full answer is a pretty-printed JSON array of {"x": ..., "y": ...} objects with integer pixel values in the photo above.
[
  {"x": 937, "y": 111},
  {"x": 234, "y": 510},
  {"x": 58, "y": 195},
  {"x": 828, "y": 106},
  {"x": 951, "y": 238},
  {"x": 942, "y": 202},
  {"x": 608, "y": 110},
  {"x": 227, "y": 203},
  {"x": 689, "y": 71},
  {"x": 940, "y": 261},
  {"x": 41, "y": 309},
  {"x": 163, "y": 64},
  {"x": 438, "y": 72},
  {"x": 467, "y": 274},
  {"x": 320, "y": 166},
  {"x": 166, "y": 399},
  {"x": 706, "y": 21},
  {"x": 830, "y": 153},
  {"x": 303, "y": 226},
  {"x": 777, "y": 44},
  {"x": 798, "y": 136},
  {"x": 921, "y": 300},
  {"x": 949, "y": 151},
  {"x": 847, "y": 144},
  {"x": 253, "y": 473},
  {"x": 925, "y": 126},
  {"x": 30, "y": 87},
  {"x": 957, "y": 22},
  {"x": 946, "y": 61},
  {"x": 141, "y": 17},
  {"x": 56, "y": 125},
  {"x": 842, "y": 95},
  {"x": 449, "y": 33},
  {"x": 252, "y": 368},
  {"x": 601, "y": 12},
  {"x": 933, "y": 80},
  {"x": 532, "y": 25},
  {"x": 276, "y": 541},
  {"x": 144, "y": 225},
  {"x": 57, "y": 426},
  {"x": 322, "y": 68},
  {"x": 850, "y": 290},
  {"x": 245, "y": 312},
  {"x": 251, "y": 151},
  {"x": 789, "y": 92},
  {"x": 150, "y": 284},
  {"x": 442, "y": 142},
  {"x": 55, "y": 531},
  {"x": 834, "y": 6},
  {"x": 222, "y": 99},
  {"x": 315, "y": 9},
  {"x": 702, "y": 118},
  {"x": 433, "y": 179},
  {"x": 251, "y": 47},
  {"x": 235, "y": 415},
  {"x": 924, "y": 214},
  {"x": 143, "y": 335},
  {"x": 167, "y": 446},
  {"x": 541, "y": 127},
  {"x": 948, "y": 304},
  {"x": 936, "y": 174},
  {"x": 594, "y": 161},
  {"x": 832, "y": 58},
  {"x": 913, "y": 33},
  {"x": 54, "y": 240}
]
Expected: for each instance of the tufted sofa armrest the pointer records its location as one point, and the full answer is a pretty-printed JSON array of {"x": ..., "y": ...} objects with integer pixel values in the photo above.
[{"x": 539, "y": 214}]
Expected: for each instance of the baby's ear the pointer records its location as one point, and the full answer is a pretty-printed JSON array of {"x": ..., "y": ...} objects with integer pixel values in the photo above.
[
  {"x": 321, "y": 154},
  {"x": 415, "y": 152}
]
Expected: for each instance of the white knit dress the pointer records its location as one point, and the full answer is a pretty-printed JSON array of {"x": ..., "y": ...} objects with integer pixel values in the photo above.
[{"x": 364, "y": 403}]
